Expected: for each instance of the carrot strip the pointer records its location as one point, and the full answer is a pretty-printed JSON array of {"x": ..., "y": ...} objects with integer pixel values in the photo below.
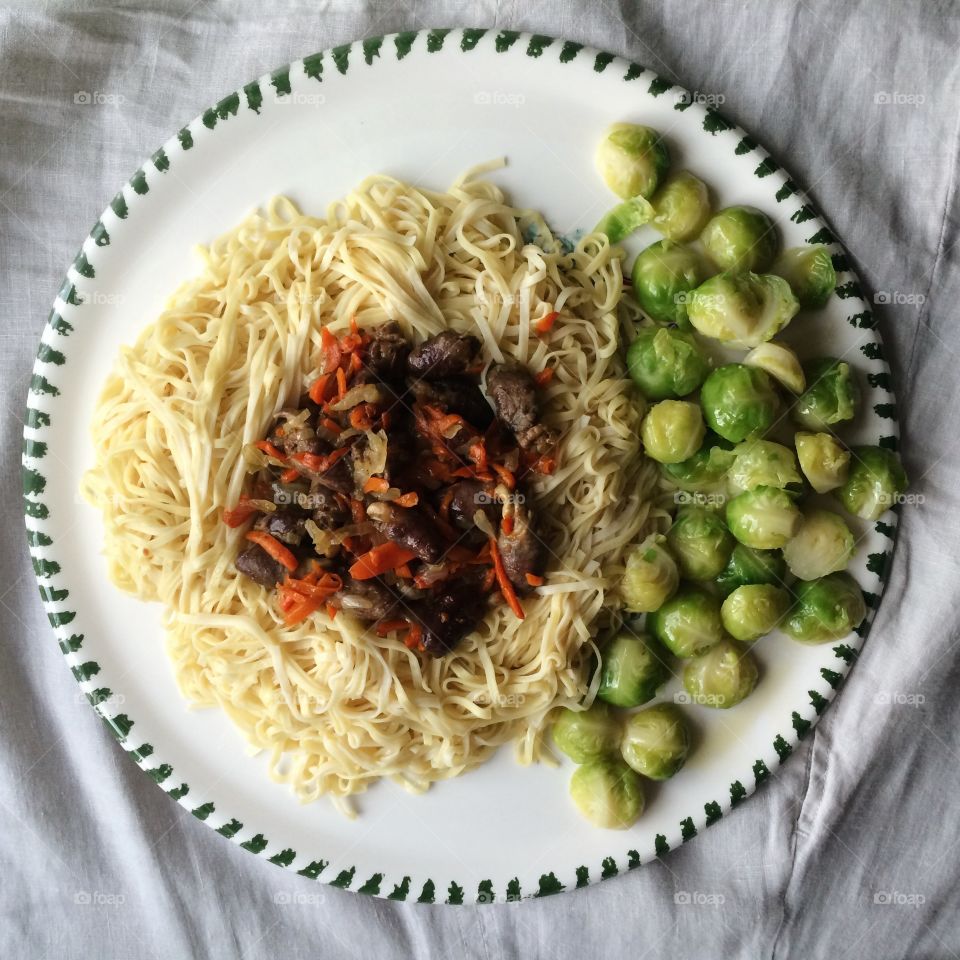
[
  {"x": 341, "y": 383},
  {"x": 546, "y": 324},
  {"x": 408, "y": 499},
  {"x": 360, "y": 417},
  {"x": 414, "y": 637},
  {"x": 329, "y": 584},
  {"x": 404, "y": 571},
  {"x": 534, "y": 580},
  {"x": 544, "y": 377},
  {"x": 506, "y": 587},
  {"x": 237, "y": 516},
  {"x": 390, "y": 626},
  {"x": 386, "y": 556},
  {"x": 331, "y": 351},
  {"x": 376, "y": 485},
  {"x": 331, "y": 425},
  {"x": 274, "y": 547},
  {"x": 506, "y": 477},
  {"x": 289, "y": 475},
  {"x": 318, "y": 391},
  {"x": 331, "y": 611},
  {"x": 270, "y": 450},
  {"x": 317, "y": 463},
  {"x": 358, "y": 511},
  {"x": 506, "y": 525}
]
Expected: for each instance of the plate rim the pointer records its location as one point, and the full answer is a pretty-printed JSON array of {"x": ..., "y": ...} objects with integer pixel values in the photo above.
[{"x": 43, "y": 392}]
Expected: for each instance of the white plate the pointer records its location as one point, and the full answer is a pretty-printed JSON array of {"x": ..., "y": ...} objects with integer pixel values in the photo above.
[{"x": 420, "y": 106}]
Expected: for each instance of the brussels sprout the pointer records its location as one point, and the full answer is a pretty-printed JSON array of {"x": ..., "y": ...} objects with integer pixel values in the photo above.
[
  {"x": 810, "y": 273},
  {"x": 831, "y": 396},
  {"x": 780, "y": 362},
  {"x": 762, "y": 463},
  {"x": 700, "y": 541},
  {"x": 741, "y": 309},
  {"x": 875, "y": 483},
  {"x": 822, "y": 544},
  {"x": 656, "y": 741},
  {"x": 666, "y": 363},
  {"x": 662, "y": 279},
  {"x": 632, "y": 160},
  {"x": 740, "y": 238},
  {"x": 672, "y": 430},
  {"x": 608, "y": 793},
  {"x": 624, "y": 218},
  {"x": 764, "y": 518},
  {"x": 739, "y": 402},
  {"x": 753, "y": 610},
  {"x": 650, "y": 576},
  {"x": 826, "y": 609},
  {"x": 688, "y": 623},
  {"x": 705, "y": 470},
  {"x": 585, "y": 734},
  {"x": 721, "y": 677},
  {"x": 682, "y": 206},
  {"x": 631, "y": 670},
  {"x": 823, "y": 460},
  {"x": 748, "y": 565}
]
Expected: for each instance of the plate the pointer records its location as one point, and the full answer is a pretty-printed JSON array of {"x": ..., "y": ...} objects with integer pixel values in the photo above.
[{"x": 421, "y": 106}]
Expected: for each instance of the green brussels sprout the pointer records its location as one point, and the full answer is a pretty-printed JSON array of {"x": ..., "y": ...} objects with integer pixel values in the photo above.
[
  {"x": 826, "y": 609},
  {"x": 741, "y": 309},
  {"x": 753, "y": 610},
  {"x": 823, "y": 460},
  {"x": 700, "y": 541},
  {"x": 831, "y": 395},
  {"x": 650, "y": 576},
  {"x": 682, "y": 206},
  {"x": 688, "y": 623},
  {"x": 748, "y": 565},
  {"x": 672, "y": 430},
  {"x": 762, "y": 463},
  {"x": 625, "y": 218},
  {"x": 608, "y": 793},
  {"x": 631, "y": 670},
  {"x": 764, "y": 518},
  {"x": 781, "y": 363},
  {"x": 740, "y": 238},
  {"x": 585, "y": 734},
  {"x": 656, "y": 741},
  {"x": 822, "y": 544},
  {"x": 632, "y": 160},
  {"x": 706, "y": 470},
  {"x": 666, "y": 363},
  {"x": 662, "y": 278},
  {"x": 810, "y": 273},
  {"x": 875, "y": 483},
  {"x": 721, "y": 677},
  {"x": 739, "y": 402}
]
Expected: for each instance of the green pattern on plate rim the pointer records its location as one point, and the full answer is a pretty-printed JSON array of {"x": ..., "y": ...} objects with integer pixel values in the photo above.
[{"x": 53, "y": 353}]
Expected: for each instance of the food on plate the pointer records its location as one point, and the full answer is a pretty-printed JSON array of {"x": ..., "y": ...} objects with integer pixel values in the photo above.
[
  {"x": 663, "y": 279},
  {"x": 656, "y": 741},
  {"x": 831, "y": 395},
  {"x": 751, "y": 611},
  {"x": 749, "y": 565},
  {"x": 739, "y": 402},
  {"x": 741, "y": 239},
  {"x": 707, "y": 470},
  {"x": 822, "y": 544},
  {"x": 763, "y": 518},
  {"x": 625, "y": 218},
  {"x": 607, "y": 792},
  {"x": 722, "y": 677},
  {"x": 809, "y": 271},
  {"x": 666, "y": 363},
  {"x": 682, "y": 206},
  {"x": 825, "y": 462},
  {"x": 650, "y": 575},
  {"x": 586, "y": 734},
  {"x": 701, "y": 542},
  {"x": 759, "y": 463},
  {"x": 874, "y": 484},
  {"x": 632, "y": 160},
  {"x": 780, "y": 362},
  {"x": 672, "y": 431},
  {"x": 826, "y": 609},
  {"x": 632, "y": 670},
  {"x": 689, "y": 622}
]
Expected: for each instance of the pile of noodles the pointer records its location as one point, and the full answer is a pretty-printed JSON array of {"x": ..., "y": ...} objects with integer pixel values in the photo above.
[{"x": 337, "y": 706}]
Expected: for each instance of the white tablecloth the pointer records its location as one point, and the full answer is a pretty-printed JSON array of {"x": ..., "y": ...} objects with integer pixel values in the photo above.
[{"x": 852, "y": 849}]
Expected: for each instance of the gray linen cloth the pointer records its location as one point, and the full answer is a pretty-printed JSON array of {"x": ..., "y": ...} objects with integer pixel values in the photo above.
[{"x": 851, "y": 850}]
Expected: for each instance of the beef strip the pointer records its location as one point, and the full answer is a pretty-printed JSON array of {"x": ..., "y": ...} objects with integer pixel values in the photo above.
[
  {"x": 459, "y": 395},
  {"x": 445, "y": 355},
  {"x": 387, "y": 351},
  {"x": 285, "y": 524},
  {"x": 522, "y": 550},
  {"x": 326, "y": 510},
  {"x": 449, "y": 615},
  {"x": 513, "y": 393},
  {"x": 469, "y": 496},
  {"x": 254, "y": 562},
  {"x": 409, "y": 527}
]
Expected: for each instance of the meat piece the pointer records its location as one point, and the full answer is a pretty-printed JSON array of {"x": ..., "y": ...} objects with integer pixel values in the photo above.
[
  {"x": 284, "y": 524},
  {"x": 387, "y": 352},
  {"x": 296, "y": 438},
  {"x": 409, "y": 527},
  {"x": 445, "y": 355},
  {"x": 459, "y": 395},
  {"x": 366, "y": 599},
  {"x": 326, "y": 511},
  {"x": 539, "y": 440},
  {"x": 513, "y": 393},
  {"x": 448, "y": 616},
  {"x": 469, "y": 496},
  {"x": 522, "y": 550},
  {"x": 254, "y": 562},
  {"x": 400, "y": 450}
]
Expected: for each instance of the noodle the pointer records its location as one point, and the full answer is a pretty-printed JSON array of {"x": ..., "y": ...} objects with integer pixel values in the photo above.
[{"x": 337, "y": 706}]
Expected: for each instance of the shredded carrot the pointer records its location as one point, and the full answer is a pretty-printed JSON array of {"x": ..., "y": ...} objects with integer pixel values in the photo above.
[
  {"x": 534, "y": 580},
  {"x": 274, "y": 547},
  {"x": 390, "y": 626},
  {"x": 270, "y": 450},
  {"x": 544, "y": 377},
  {"x": 489, "y": 579},
  {"x": 341, "y": 383},
  {"x": 320, "y": 463},
  {"x": 414, "y": 637},
  {"x": 331, "y": 351},
  {"x": 506, "y": 477},
  {"x": 331, "y": 425},
  {"x": 376, "y": 485},
  {"x": 546, "y": 324},
  {"x": 289, "y": 475},
  {"x": 546, "y": 465},
  {"x": 386, "y": 556},
  {"x": 237, "y": 516},
  {"x": 331, "y": 611},
  {"x": 408, "y": 499},
  {"x": 358, "y": 511},
  {"x": 318, "y": 391},
  {"x": 506, "y": 587},
  {"x": 506, "y": 525},
  {"x": 478, "y": 454},
  {"x": 404, "y": 571},
  {"x": 361, "y": 417},
  {"x": 355, "y": 362}
]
